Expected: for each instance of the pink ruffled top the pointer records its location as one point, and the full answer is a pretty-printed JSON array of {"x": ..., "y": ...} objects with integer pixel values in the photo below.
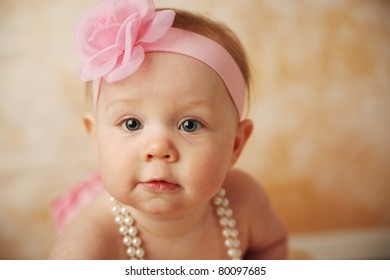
[{"x": 64, "y": 208}]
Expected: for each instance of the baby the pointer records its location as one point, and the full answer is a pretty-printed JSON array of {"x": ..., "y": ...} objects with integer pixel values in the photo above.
[{"x": 168, "y": 91}]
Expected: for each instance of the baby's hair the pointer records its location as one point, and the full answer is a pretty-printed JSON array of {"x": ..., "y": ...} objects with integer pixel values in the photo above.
[{"x": 211, "y": 29}]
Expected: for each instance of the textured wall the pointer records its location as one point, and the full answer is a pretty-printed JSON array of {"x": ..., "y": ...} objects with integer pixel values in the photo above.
[{"x": 320, "y": 104}]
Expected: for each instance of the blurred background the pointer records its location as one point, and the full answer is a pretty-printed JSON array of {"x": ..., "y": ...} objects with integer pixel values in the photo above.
[{"x": 320, "y": 103}]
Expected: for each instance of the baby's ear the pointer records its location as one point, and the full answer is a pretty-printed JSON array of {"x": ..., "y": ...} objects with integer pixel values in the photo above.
[
  {"x": 244, "y": 131},
  {"x": 90, "y": 126}
]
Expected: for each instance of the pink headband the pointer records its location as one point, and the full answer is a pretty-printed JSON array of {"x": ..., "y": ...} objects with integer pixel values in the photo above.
[{"x": 113, "y": 36}]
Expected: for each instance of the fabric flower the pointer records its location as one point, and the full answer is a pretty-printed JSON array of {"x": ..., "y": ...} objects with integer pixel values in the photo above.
[{"x": 111, "y": 34}]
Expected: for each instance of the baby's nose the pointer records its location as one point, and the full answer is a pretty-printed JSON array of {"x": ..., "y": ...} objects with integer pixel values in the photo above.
[{"x": 161, "y": 148}]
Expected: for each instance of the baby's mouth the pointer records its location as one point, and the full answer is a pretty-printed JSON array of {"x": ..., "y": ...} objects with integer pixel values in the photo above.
[{"x": 159, "y": 186}]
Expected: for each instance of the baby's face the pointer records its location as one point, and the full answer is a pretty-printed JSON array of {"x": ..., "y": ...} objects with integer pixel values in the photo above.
[{"x": 166, "y": 136}]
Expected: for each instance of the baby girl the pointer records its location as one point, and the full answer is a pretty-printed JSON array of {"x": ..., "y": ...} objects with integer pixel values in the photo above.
[{"x": 167, "y": 90}]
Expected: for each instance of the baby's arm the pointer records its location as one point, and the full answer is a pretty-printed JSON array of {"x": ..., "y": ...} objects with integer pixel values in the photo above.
[
  {"x": 86, "y": 237},
  {"x": 268, "y": 238},
  {"x": 267, "y": 235}
]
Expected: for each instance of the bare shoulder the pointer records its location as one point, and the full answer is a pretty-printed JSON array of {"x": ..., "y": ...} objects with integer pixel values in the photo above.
[
  {"x": 88, "y": 234},
  {"x": 266, "y": 234},
  {"x": 243, "y": 188}
]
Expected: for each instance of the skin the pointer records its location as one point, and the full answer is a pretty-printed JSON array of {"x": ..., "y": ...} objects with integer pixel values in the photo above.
[{"x": 166, "y": 163}]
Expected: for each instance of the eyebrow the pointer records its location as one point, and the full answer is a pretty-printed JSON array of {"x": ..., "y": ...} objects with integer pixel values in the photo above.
[
  {"x": 122, "y": 101},
  {"x": 195, "y": 102},
  {"x": 183, "y": 104}
]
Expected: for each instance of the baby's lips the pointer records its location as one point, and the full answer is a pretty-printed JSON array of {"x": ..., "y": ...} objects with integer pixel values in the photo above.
[{"x": 159, "y": 186}]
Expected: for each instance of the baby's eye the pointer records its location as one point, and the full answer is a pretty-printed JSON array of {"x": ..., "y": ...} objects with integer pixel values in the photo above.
[
  {"x": 131, "y": 124},
  {"x": 190, "y": 125}
]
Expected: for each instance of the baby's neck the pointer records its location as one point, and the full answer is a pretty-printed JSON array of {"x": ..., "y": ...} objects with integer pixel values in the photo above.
[{"x": 172, "y": 226}]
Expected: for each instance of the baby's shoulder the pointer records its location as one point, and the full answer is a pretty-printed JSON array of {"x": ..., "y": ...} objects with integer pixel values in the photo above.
[
  {"x": 259, "y": 225},
  {"x": 248, "y": 199},
  {"x": 87, "y": 235},
  {"x": 242, "y": 188}
]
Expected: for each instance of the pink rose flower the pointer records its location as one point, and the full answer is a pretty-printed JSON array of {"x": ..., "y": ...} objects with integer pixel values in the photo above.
[{"x": 111, "y": 34}]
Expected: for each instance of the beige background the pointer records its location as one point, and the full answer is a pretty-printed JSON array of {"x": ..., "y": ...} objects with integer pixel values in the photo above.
[{"x": 321, "y": 105}]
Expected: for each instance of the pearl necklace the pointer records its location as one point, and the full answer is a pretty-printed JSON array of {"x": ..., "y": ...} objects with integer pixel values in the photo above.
[{"x": 133, "y": 242}]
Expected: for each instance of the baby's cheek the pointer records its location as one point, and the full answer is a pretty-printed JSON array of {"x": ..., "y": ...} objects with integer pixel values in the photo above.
[
  {"x": 111, "y": 163},
  {"x": 213, "y": 168}
]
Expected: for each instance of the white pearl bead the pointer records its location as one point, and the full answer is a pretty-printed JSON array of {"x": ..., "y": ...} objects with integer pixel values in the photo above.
[
  {"x": 122, "y": 230},
  {"x": 229, "y": 212},
  {"x": 118, "y": 220},
  {"x": 115, "y": 209},
  {"x": 231, "y": 252},
  {"x": 139, "y": 253},
  {"x": 228, "y": 243},
  {"x": 234, "y": 233},
  {"x": 130, "y": 251},
  {"x": 231, "y": 223},
  {"x": 234, "y": 253},
  {"x": 123, "y": 210},
  {"x": 126, "y": 240},
  {"x": 226, "y": 232},
  {"x": 225, "y": 202},
  {"x": 128, "y": 220},
  {"x": 235, "y": 243},
  {"x": 217, "y": 201},
  {"x": 136, "y": 242},
  {"x": 224, "y": 221},
  {"x": 220, "y": 211},
  {"x": 221, "y": 192},
  {"x": 133, "y": 231}
]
